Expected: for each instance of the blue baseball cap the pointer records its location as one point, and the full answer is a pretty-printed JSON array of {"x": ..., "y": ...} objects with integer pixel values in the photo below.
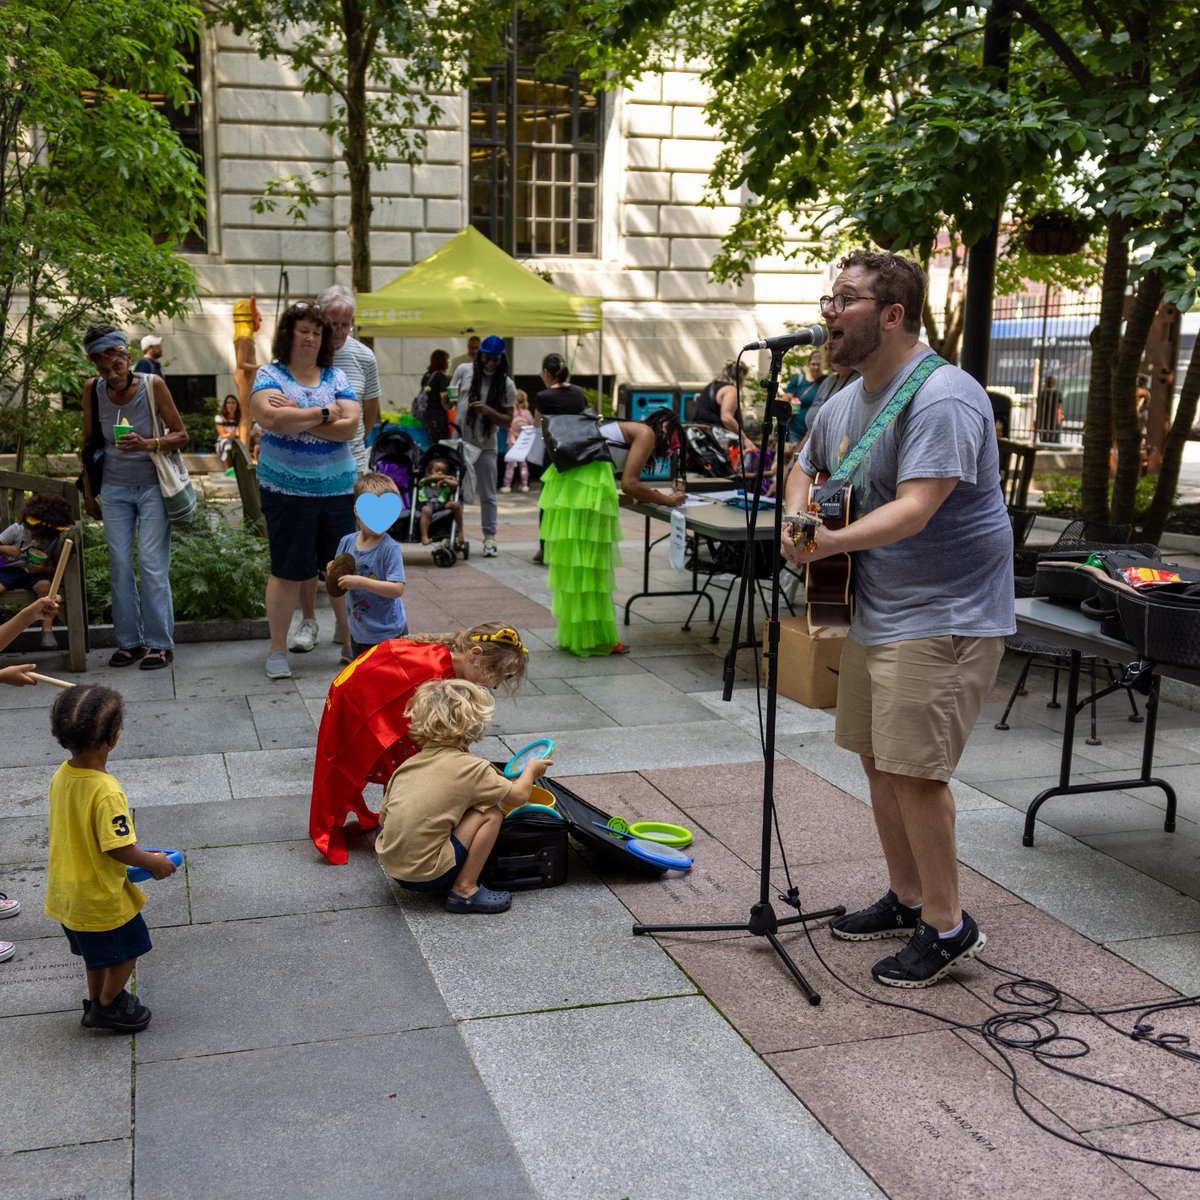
[{"x": 492, "y": 345}]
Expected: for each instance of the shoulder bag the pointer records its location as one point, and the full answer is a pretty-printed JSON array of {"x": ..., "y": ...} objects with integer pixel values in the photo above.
[
  {"x": 574, "y": 440},
  {"x": 92, "y": 455},
  {"x": 178, "y": 494}
]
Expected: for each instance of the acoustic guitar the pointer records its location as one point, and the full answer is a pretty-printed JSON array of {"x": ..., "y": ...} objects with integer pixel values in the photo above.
[{"x": 828, "y": 583}]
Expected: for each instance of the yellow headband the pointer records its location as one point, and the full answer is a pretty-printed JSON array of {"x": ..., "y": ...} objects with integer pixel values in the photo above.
[{"x": 506, "y": 635}]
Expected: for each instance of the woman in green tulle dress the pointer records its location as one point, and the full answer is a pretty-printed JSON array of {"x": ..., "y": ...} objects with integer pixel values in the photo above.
[{"x": 581, "y": 527}]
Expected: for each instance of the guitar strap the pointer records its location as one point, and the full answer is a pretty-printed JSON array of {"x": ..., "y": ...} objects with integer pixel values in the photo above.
[{"x": 890, "y": 411}]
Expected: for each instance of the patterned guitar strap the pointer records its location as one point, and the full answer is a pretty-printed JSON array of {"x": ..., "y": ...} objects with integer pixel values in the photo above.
[{"x": 828, "y": 496}]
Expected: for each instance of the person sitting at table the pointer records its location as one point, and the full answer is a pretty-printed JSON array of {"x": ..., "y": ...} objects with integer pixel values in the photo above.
[{"x": 580, "y": 525}]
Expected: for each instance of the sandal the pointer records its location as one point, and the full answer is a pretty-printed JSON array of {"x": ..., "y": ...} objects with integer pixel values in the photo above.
[
  {"x": 155, "y": 660},
  {"x": 126, "y": 658}
]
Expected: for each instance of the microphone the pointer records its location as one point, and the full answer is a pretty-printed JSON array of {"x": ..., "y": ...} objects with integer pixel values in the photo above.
[{"x": 814, "y": 335}]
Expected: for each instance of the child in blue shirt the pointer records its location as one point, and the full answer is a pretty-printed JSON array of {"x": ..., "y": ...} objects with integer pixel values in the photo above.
[{"x": 374, "y": 609}]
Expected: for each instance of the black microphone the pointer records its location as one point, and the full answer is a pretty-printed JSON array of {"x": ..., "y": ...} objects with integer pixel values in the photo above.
[{"x": 814, "y": 335}]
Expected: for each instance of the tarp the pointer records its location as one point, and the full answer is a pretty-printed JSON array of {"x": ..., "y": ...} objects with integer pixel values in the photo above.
[{"x": 470, "y": 285}]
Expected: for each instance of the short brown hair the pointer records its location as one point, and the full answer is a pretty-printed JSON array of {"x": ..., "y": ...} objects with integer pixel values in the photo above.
[
  {"x": 375, "y": 482},
  {"x": 302, "y": 310},
  {"x": 897, "y": 281}
]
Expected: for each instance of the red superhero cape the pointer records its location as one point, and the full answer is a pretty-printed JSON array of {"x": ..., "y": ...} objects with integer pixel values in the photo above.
[{"x": 364, "y": 734}]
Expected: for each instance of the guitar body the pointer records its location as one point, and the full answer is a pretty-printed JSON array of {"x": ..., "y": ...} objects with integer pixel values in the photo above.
[{"x": 828, "y": 583}]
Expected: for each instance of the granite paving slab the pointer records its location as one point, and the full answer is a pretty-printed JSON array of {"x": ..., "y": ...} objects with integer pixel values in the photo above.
[
  {"x": 368, "y": 1117},
  {"x": 224, "y": 822},
  {"x": 659, "y": 1118},
  {"x": 1092, "y": 893},
  {"x": 531, "y": 714},
  {"x": 558, "y": 664},
  {"x": 272, "y": 772},
  {"x": 751, "y": 985},
  {"x": 62, "y": 1083},
  {"x": 40, "y": 695},
  {"x": 281, "y": 878},
  {"x": 372, "y": 980},
  {"x": 241, "y": 678},
  {"x": 631, "y": 748},
  {"x": 22, "y": 839},
  {"x": 1172, "y": 858},
  {"x": 42, "y": 977},
  {"x": 207, "y": 726},
  {"x": 629, "y": 701},
  {"x": 743, "y": 709},
  {"x": 1173, "y": 959},
  {"x": 178, "y": 779},
  {"x": 556, "y": 947},
  {"x": 1087, "y": 813},
  {"x": 1163, "y": 1141},
  {"x": 97, "y": 1171},
  {"x": 26, "y": 882},
  {"x": 985, "y": 758},
  {"x": 957, "y": 1132},
  {"x": 817, "y": 752},
  {"x": 1025, "y": 941}
]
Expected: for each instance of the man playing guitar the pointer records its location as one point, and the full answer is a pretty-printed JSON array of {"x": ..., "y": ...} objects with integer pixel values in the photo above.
[{"x": 932, "y": 553}]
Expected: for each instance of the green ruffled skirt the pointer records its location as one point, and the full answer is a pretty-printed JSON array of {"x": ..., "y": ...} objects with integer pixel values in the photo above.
[{"x": 581, "y": 529}]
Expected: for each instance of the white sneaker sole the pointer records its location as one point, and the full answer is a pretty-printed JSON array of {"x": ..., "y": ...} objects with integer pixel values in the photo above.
[{"x": 954, "y": 963}]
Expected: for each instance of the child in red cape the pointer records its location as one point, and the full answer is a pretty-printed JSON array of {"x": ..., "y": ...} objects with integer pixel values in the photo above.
[{"x": 364, "y": 730}]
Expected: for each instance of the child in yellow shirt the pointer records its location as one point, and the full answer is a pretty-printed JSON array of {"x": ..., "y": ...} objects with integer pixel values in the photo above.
[
  {"x": 441, "y": 811},
  {"x": 92, "y": 841}
]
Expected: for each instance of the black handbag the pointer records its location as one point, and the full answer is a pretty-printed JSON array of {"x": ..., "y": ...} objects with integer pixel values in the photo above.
[
  {"x": 92, "y": 455},
  {"x": 574, "y": 440}
]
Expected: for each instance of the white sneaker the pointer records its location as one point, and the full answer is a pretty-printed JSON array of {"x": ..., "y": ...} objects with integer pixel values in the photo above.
[
  {"x": 305, "y": 637},
  {"x": 490, "y": 549},
  {"x": 8, "y": 908},
  {"x": 277, "y": 666},
  {"x": 7, "y": 950},
  {"x": 524, "y": 487},
  {"x": 505, "y": 490}
]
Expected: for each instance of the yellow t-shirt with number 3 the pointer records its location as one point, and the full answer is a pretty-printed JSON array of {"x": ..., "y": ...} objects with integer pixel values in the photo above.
[{"x": 86, "y": 889}]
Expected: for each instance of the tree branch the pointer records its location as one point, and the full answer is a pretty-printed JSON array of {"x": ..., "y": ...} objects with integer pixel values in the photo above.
[{"x": 1053, "y": 39}]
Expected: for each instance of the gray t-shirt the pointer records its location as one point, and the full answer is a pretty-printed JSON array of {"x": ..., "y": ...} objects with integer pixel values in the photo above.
[
  {"x": 956, "y": 575},
  {"x": 358, "y": 364},
  {"x": 472, "y": 433}
]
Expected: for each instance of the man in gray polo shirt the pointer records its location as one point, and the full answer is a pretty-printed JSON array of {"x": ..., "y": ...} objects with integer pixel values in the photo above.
[{"x": 931, "y": 550}]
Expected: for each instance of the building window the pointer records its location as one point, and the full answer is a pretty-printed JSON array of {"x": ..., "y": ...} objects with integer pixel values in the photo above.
[
  {"x": 552, "y": 130},
  {"x": 187, "y": 124}
]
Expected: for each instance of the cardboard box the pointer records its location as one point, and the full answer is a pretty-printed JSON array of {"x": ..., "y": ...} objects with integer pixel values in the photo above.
[{"x": 808, "y": 665}]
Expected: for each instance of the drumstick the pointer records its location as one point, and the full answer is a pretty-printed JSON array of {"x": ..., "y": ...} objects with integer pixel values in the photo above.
[
  {"x": 62, "y": 683},
  {"x": 58, "y": 571}
]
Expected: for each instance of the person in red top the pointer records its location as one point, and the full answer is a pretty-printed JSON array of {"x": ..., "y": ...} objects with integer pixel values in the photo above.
[{"x": 364, "y": 729}]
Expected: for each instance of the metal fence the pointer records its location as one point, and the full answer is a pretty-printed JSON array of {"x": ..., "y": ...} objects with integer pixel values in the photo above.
[{"x": 1041, "y": 360}]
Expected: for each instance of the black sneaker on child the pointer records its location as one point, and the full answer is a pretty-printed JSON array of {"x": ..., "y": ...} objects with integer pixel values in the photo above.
[
  {"x": 928, "y": 957},
  {"x": 124, "y": 1015},
  {"x": 883, "y": 919}
]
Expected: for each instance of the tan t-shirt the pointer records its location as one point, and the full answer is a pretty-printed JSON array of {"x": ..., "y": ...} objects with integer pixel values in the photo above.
[{"x": 425, "y": 800}]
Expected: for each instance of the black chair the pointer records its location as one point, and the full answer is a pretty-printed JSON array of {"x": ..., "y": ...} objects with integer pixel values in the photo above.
[{"x": 711, "y": 558}]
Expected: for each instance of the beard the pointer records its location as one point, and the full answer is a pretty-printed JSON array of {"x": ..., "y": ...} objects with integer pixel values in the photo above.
[{"x": 853, "y": 348}]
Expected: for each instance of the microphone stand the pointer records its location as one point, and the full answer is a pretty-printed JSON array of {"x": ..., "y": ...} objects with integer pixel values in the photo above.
[{"x": 762, "y": 921}]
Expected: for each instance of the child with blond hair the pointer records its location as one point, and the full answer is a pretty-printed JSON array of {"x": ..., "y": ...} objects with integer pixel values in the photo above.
[
  {"x": 442, "y": 809},
  {"x": 374, "y": 608}
]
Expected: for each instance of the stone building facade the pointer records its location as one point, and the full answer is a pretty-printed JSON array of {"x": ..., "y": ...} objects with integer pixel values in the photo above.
[{"x": 664, "y": 318}]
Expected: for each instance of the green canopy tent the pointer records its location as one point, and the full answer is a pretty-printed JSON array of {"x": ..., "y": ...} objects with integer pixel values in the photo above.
[{"x": 467, "y": 286}]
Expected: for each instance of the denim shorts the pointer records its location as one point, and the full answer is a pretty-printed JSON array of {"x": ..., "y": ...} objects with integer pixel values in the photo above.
[
  {"x": 443, "y": 881},
  {"x": 110, "y": 947},
  {"x": 303, "y": 531}
]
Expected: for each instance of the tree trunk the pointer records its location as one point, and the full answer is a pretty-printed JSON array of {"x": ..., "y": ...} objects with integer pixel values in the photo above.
[
  {"x": 355, "y": 148},
  {"x": 1097, "y": 424},
  {"x": 1177, "y": 438},
  {"x": 1130, "y": 351}
]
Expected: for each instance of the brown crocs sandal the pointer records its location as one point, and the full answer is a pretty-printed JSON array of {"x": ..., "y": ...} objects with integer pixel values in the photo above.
[{"x": 342, "y": 565}]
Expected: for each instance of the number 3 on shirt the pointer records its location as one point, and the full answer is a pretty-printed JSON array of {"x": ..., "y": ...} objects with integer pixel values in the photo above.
[{"x": 121, "y": 825}]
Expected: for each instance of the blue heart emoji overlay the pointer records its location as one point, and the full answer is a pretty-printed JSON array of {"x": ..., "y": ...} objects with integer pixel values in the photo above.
[{"x": 378, "y": 513}]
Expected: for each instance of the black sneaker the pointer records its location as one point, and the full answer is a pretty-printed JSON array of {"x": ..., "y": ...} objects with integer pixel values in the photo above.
[
  {"x": 883, "y": 919},
  {"x": 123, "y": 1015},
  {"x": 928, "y": 957}
]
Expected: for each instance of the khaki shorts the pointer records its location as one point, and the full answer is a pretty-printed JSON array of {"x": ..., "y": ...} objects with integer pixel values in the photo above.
[{"x": 911, "y": 705}]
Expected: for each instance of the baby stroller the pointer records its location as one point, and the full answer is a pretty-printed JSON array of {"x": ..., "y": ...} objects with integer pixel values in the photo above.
[
  {"x": 705, "y": 453},
  {"x": 396, "y": 455}
]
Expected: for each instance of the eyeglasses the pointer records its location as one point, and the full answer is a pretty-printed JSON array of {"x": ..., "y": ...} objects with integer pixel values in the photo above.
[{"x": 838, "y": 303}]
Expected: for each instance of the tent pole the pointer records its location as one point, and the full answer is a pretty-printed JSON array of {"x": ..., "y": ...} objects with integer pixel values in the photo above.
[{"x": 600, "y": 372}]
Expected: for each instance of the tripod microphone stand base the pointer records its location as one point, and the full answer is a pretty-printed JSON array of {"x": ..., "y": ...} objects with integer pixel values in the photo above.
[{"x": 762, "y": 923}]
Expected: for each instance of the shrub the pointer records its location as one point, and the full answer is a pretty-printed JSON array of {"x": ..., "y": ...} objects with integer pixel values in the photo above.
[
  {"x": 1061, "y": 493},
  {"x": 217, "y": 573},
  {"x": 47, "y": 430}
]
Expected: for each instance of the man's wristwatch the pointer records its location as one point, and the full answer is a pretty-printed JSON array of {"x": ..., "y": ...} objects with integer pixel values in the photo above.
[{"x": 324, "y": 415}]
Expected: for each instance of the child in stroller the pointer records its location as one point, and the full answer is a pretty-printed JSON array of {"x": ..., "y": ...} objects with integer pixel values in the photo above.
[
  {"x": 396, "y": 455},
  {"x": 437, "y": 490}
]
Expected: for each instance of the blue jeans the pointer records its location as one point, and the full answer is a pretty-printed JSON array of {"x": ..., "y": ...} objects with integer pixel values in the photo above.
[{"x": 150, "y": 616}]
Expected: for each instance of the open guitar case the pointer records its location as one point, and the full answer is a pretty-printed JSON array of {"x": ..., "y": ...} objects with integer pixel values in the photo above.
[{"x": 531, "y": 849}]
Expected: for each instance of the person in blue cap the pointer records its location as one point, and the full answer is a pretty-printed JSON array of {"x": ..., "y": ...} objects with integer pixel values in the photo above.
[{"x": 486, "y": 394}]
